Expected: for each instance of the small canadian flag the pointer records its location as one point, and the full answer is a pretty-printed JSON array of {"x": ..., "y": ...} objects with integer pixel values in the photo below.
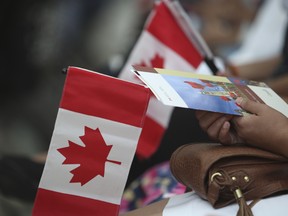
[
  {"x": 92, "y": 147},
  {"x": 168, "y": 40}
]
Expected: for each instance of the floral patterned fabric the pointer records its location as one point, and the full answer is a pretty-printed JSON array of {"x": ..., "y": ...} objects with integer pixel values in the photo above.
[{"x": 153, "y": 185}]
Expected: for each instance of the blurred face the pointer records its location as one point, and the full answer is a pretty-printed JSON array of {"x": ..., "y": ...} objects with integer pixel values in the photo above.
[{"x": 221, "y": 20}]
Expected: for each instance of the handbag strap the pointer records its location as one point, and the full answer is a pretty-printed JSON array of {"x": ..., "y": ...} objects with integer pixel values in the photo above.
[{"x": 244, "y": 209}]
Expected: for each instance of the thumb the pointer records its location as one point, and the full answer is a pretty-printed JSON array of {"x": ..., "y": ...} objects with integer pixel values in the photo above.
[{"x": 249, "y": 105}]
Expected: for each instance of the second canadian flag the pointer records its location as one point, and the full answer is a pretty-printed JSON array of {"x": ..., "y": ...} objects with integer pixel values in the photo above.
[{"x": 167, "y": 41}]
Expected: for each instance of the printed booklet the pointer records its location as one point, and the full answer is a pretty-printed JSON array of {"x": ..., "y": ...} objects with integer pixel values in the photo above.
[{"x": 206, "y": 92}]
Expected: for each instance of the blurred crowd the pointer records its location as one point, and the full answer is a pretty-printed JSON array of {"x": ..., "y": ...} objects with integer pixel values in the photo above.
[{"x": 40, "y": 38}]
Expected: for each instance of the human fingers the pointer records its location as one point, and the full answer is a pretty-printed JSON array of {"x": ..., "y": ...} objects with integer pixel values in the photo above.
[
  {"x": 224, "y": 135},
  {"x": 219, "y": 129},
  {"x": 199, "y": 113},
  {"x": 250, "y": 106},
  {"x": 206, "y": 119}
]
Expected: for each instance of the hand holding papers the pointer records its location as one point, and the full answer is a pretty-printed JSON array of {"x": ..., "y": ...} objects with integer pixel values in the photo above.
[{"x": 206, "y": 92}]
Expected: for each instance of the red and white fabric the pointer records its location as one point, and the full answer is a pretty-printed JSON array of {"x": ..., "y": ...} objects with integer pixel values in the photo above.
[
  {"x": 168, "y": 40},
  {"x": 96, "y": 132}
]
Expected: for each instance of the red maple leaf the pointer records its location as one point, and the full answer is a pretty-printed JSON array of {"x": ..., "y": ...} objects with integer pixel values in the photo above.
[
  {"x": 91, "y": 157},
  {"x": 157, "y": 62}
]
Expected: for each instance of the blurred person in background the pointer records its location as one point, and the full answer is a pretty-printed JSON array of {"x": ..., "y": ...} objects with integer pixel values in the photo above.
[
  {"x": 222, "y": 23},
  {"x": 262, "y": 55}
]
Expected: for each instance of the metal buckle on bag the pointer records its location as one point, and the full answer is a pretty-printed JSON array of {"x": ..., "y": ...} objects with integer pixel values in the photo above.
[{"x": 214, "y": 175}]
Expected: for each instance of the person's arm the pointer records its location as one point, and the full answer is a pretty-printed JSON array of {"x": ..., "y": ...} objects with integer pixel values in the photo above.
[{"x": 258, "y": 70}]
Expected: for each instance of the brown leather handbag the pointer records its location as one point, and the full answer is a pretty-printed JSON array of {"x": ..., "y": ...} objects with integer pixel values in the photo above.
[{"x": 225, "y": 174}]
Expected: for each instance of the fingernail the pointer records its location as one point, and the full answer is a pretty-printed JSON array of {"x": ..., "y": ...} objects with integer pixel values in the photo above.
[
  {"x": 226, "y": 125},
  {"x": 239, "y": 101}
]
